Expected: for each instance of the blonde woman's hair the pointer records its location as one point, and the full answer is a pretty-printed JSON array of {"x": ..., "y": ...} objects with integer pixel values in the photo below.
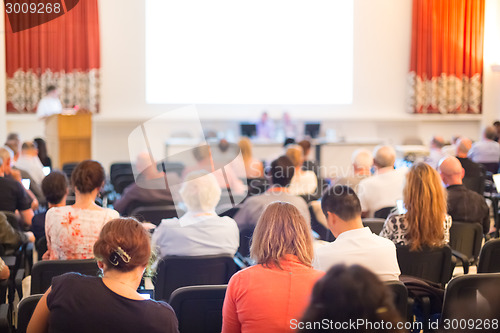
[
  {"x": 425, "y": 201},
  {"x": 246, "y": 149},
  {"x": 281, "y": 230},
  {"x": 296, "y": 154}
]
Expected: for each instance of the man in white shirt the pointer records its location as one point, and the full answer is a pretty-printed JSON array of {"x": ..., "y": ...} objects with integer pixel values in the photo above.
[
  {"x": 28, "y": 161},
  {"x": 200, "y": 231},
  {"x": 384, "y": 188},
  {"x": 354, "y": 244},
  {"x": 487, "y": 150},
  {"x": 50, "y": 104}
]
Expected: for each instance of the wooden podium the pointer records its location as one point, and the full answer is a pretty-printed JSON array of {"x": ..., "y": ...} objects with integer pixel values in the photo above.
[{"x": 69, "y": 138}]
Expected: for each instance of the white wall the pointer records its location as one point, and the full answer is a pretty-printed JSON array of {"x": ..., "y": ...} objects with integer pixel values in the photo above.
[{"x": 382, "y": 32}]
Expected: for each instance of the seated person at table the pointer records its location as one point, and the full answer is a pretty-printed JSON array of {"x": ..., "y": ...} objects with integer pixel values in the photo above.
[
  {"x": 464, "y": 205},
  {"x": 79, "y": 303},
  {"x": 281, "y": 172},
  {"x": 265, "y": 297},
  {"x": 200, "y": 231},
  {"x": 55, "y": 190},
  {"x": 348, "y": 292},
  {"x": 150, "y": 188},
  {"x": 71, "y": 231},
  {"x": 303, "y": 181},
  {"x": 425, "y": 222},
  {"x": 354, "y": 243},
  {"x": 385, "y": 187}
]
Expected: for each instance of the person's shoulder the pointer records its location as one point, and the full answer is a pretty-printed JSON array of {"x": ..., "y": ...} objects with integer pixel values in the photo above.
[
  {"x": 170, "y": 223},
  {"x": 58, "y": 210},
  {"x": 73, "y": 277},
  {"x": 161, "y": 305},
  {"x": 112, "y": 213}
]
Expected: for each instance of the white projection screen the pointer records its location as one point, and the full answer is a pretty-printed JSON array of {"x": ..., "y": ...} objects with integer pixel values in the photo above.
[{"x": 249, "y": 52}]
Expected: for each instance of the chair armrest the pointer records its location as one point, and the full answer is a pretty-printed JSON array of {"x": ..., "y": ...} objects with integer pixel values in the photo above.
[{"x": 463, "y": 258}]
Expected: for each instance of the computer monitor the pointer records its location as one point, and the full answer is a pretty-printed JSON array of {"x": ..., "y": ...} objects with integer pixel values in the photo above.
[
  {"x": 312, "y": 129},
  {"x": 249, "y": 130}
]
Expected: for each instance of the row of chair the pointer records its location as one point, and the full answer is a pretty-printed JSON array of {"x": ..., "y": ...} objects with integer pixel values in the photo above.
[{"x": 199, "y": 308}]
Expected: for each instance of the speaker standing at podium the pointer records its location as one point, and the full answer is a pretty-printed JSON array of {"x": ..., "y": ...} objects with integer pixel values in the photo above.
[{"x": 50, "y": 104}]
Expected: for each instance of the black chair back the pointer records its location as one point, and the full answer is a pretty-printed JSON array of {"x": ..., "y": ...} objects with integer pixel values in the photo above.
[
  {"x": 154, "y": 214},
  {"x": 44, "y": 271},
  {"x": 68, "y": 168},
  {"x": 119, "y": 167},
  {"x": 177, "y": 167},
  {"x": 473, "y": 296},
  {"x": 489, "y": 257},
  {"x": 466, "y": 238},
  {"x": 383, "y": 213},
  {"x": 199, "y": 308},
  {"x": 375, "y": 224},
  {"x": 179, "y": 271},
  {"x": 26, "y": 308},
  {"x": 430, "y": 264},
  {"x": 122, "y": 180},
  {"x": 5, "y": 318},
  {"x": 41, "y": 247},
  {"x": 400, "y": 296},
  {"x": 477, "y": 181}
]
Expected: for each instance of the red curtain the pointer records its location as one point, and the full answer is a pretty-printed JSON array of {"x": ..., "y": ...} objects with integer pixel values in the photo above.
[
  {"x": 64, "y": 52},
  {"x": 446, "y": 56}
]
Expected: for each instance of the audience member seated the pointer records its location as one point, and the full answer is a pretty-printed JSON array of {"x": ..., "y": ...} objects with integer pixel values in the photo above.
[
  {"x": 354, "y": 244},
  {"x": 281, "y": 172},
  {"x": 385, "y": 187},
  {"x": 265, "y": 127},
  {"x": 29, "y": 162},
  {"x": 55, "y": 189},
  {"x": 253, "y": 167},
  {"x": 350, "y": 293},
  {"x": 12, "y": 144},
  {"x": 474, "y": 172},
  {"x": 79, "y": 303},
  {"x": 42, "y": 152},
  {"x": 303, "y": 181},
  {"x": 425, "y": 222},
  {"x": 11, "y": 238},
  {"x": 4, "y": 270},
  {"x": 71, "y": 231},
  {"x": 205, "y": 161},
  {"x": 464, "y": 205},
  {"x": 150, "y": 187},
  {"x": 265, "y": 297},
  {"x": 435, "y": 151},
  {"x": 362, "y": 162},
  {"x": 13, "y": 196},
  {"x": 200, "y": 231},
  {"x": 309, "y": 164},
  {"x": 487, "y": 150}
]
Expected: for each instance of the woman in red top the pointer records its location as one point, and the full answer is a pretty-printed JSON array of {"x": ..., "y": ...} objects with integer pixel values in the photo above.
[{"x": 269, "y": 296}]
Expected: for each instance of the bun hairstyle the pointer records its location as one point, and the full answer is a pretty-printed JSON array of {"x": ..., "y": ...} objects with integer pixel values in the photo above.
[
  {"x": 123, "y": 244},
  {"x": 87, "y": 176}
]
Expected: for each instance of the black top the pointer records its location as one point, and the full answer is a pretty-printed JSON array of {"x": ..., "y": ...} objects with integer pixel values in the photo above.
[
  {"x": 38, "y": 225},
  {"x": 13, "y": 196},
  {"x": 465, "y": 205},
  {"x": 80, "y": 303}
]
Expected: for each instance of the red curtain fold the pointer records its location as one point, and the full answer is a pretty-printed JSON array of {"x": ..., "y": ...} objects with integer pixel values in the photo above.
[
  {"x": 446, "y": 56},
  {"x": 64, "y": 52}
]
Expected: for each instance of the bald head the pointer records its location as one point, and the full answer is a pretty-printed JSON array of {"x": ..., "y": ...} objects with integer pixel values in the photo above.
[
  {"x": 362, "y": 161},
  {"x": 463, "y": 147},
  {"x": 451, "y": 171},
  {"x": 385, "y": 156},
  {"x": 437, "y": 142}
]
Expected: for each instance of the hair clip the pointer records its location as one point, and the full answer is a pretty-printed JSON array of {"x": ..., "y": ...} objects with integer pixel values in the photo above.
[
  {"x": 381, "y": 309},
  {"x": 119, "y": 253}
]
